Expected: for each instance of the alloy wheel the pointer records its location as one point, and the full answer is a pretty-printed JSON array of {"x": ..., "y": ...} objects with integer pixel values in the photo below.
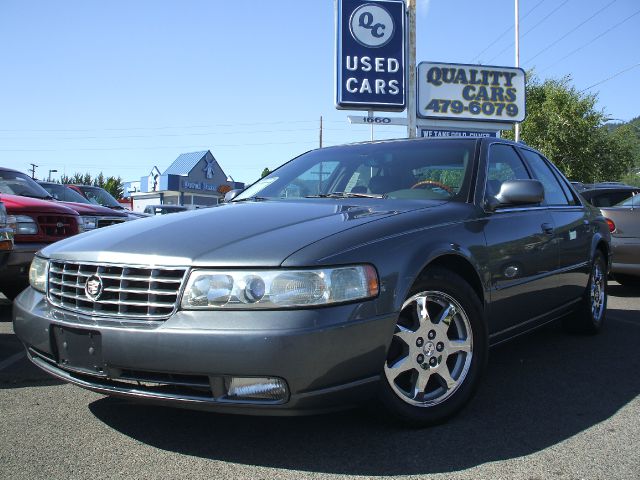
[{"x": 431, "y": 350}]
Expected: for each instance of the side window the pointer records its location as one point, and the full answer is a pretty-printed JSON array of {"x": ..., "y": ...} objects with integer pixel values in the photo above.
[
  {"x": 553, "y": 191},
  {"x": 504, "y": 164}
]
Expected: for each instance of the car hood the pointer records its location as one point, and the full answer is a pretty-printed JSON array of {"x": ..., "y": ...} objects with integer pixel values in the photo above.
[
  {"x": 17, "y": 204},
  {"x": 242, "y": 234}
]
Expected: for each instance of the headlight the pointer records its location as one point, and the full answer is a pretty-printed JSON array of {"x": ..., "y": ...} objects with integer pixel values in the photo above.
[
  {"x": 25, "y": 225},
  {"x": 88, "y": 223},
  {"x": 38, "y": 274},
  {"x": 238, "y": 289}
]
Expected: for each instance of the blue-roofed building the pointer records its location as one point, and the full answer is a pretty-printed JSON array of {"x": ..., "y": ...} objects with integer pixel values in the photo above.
[{"x": 194, "y": 179}]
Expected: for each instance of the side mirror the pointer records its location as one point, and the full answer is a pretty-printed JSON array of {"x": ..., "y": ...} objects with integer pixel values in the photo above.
[
  {"x": 231, "y": 194},
  {"x": 517, "y": 192}
]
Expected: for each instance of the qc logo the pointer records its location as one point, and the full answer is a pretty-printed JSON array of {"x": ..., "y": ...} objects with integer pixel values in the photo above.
[{"x": 371, "y": 25}]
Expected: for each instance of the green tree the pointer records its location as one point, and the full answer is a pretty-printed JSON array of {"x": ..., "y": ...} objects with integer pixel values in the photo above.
[
  {"x": 564, "y": 124},
  {"x": 633, "y": 127},
  {"x": 265, "y": 172},
  {"x": 114, "y": 186},
  {"x": 79, "y": 178},
  {"x": 99, "y": 180}
]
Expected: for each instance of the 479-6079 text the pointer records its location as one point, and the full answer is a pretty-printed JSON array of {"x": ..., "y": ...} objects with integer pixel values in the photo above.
[{"x": 474, "y": 107}]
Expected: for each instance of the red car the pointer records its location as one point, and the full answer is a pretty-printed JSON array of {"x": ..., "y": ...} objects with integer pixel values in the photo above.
[
  {"x": 94, "y": 216},
  {"x": 37, "y": 223},
  {"x": 99, "y": 196}
]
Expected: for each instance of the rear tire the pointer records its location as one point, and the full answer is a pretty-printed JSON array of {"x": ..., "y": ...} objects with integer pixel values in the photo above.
[
  {"x": 438, "y": 352},
  {"x": 592, "y": 311}
]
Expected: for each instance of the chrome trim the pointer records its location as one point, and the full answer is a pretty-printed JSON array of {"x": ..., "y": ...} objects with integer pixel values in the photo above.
[{"x": 76, "y": 300}]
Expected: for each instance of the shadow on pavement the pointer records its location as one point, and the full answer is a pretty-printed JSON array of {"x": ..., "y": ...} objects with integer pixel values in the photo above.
[
  {"x": 618, "y": 290},
  {"x": 540, "y": 389},
  {"x": 16, "y": 371}
]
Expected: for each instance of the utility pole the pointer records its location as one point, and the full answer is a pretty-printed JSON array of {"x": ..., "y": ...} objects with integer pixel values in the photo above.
[
  {"x": 33, "y": 170},
  {"x": 517, "y": 29},
  {"x": 320, "y": 131},
  {"x": 411, "y": 87}
]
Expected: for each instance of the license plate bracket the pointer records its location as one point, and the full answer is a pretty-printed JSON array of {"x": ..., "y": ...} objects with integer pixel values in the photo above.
[{"x": 79, "y": 350}]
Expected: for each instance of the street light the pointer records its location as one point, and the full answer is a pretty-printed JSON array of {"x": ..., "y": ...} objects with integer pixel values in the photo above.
[{"x": 49, "y": 176}]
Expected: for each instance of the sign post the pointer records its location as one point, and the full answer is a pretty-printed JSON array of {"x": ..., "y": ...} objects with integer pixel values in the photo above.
[{"x": 370, "y": 55}]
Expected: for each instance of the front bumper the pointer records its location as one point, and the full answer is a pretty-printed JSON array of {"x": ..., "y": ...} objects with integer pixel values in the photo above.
[
  {"x": 328, "y": 357},
  {"x": 625, "y": 252}
]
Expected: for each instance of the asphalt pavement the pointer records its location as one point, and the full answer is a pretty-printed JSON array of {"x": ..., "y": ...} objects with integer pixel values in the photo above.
[{"x": 552, "y": 405}]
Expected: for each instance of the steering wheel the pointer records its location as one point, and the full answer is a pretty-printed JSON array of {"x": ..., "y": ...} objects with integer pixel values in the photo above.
[{"x": 433, "y": 183}]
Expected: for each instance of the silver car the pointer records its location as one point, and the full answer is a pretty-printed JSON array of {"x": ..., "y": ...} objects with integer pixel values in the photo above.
[{"x": 624, "y": 224}]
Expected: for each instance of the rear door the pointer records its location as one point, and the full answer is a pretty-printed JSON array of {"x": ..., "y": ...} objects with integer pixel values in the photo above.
[
  {"x": 521, "y": 253},
  {"x": 573, "y": 232}
]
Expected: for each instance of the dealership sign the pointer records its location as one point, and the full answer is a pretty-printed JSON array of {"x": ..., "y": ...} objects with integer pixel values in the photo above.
[
  {"x": 471, "y": 92},
  {"x": 370, "y": 56},
  {"x": 440, "y": 133}
]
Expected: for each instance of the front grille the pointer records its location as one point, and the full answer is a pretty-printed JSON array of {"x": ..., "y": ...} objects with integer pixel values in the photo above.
[
  {"x": 106, "y": 221},
  {"x": 58, "y": 226},
  {"x": 126, "y": 291}
]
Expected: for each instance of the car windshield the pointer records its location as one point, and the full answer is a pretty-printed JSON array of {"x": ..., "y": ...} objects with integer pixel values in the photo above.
[
  {"x": 633, "y": 201},
  {"x": 99, "y": 196},
  {"x": 16, "y": 183},
  {"x": 63, "y": 193},
  {"x": 427, "y": 169}
]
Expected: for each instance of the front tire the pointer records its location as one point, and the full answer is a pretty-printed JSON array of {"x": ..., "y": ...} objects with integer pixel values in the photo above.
[{"x": 438, "y": 351}]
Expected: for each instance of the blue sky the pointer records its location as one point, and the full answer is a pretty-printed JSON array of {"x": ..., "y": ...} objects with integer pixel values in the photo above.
[{"x": 121, "y": 86}]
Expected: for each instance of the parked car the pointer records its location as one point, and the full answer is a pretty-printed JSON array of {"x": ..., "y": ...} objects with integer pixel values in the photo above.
[
  {"x": 6, "y": 235},
  {"x": 163, "y": 209},
  {"x": 624, "y": 224},
  {"x": 99, "y": 196},
  {"x": 93, "y": 216},
  {"x": 383, "y": 269},
  {"x": 37, "y": 223},
  {"x": 608, "y": 195}
]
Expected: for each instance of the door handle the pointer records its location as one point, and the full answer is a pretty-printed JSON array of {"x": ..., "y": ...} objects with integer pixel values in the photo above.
[{"x": 547, "y": 228}]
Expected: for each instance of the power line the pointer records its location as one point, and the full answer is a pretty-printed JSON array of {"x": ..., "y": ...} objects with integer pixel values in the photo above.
[
  {"x": 506, "y": 31},
  {"x": 58, "y": 130},
  {"x": 170, "y": 135},
  {"x": 530, "y": 30},
  {"x": 571, "y": 31},
  {"x": 611, "y": 77},
  {"x": 591, "y": 41}
]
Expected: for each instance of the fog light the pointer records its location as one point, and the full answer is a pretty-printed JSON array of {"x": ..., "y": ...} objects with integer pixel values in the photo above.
[{"x": 273, "y": 390}]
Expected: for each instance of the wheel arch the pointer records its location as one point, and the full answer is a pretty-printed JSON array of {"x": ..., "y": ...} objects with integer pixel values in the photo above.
[
  {"x": 600, "y": 243},
  {"x": 457, "y": 263}
]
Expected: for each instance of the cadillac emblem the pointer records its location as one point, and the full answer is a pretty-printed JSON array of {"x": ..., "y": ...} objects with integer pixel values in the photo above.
[{"x": 93, "y": 287}]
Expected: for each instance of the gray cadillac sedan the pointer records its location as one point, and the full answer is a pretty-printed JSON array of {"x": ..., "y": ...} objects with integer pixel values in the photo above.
[{"x": 380, "y": 270}]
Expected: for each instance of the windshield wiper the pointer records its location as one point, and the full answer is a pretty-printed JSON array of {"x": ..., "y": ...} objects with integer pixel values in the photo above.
[
  {"x": 347, "y": 195},
  {"x": 40, "y": 197},
  {"x": 250, "y": 199}
]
